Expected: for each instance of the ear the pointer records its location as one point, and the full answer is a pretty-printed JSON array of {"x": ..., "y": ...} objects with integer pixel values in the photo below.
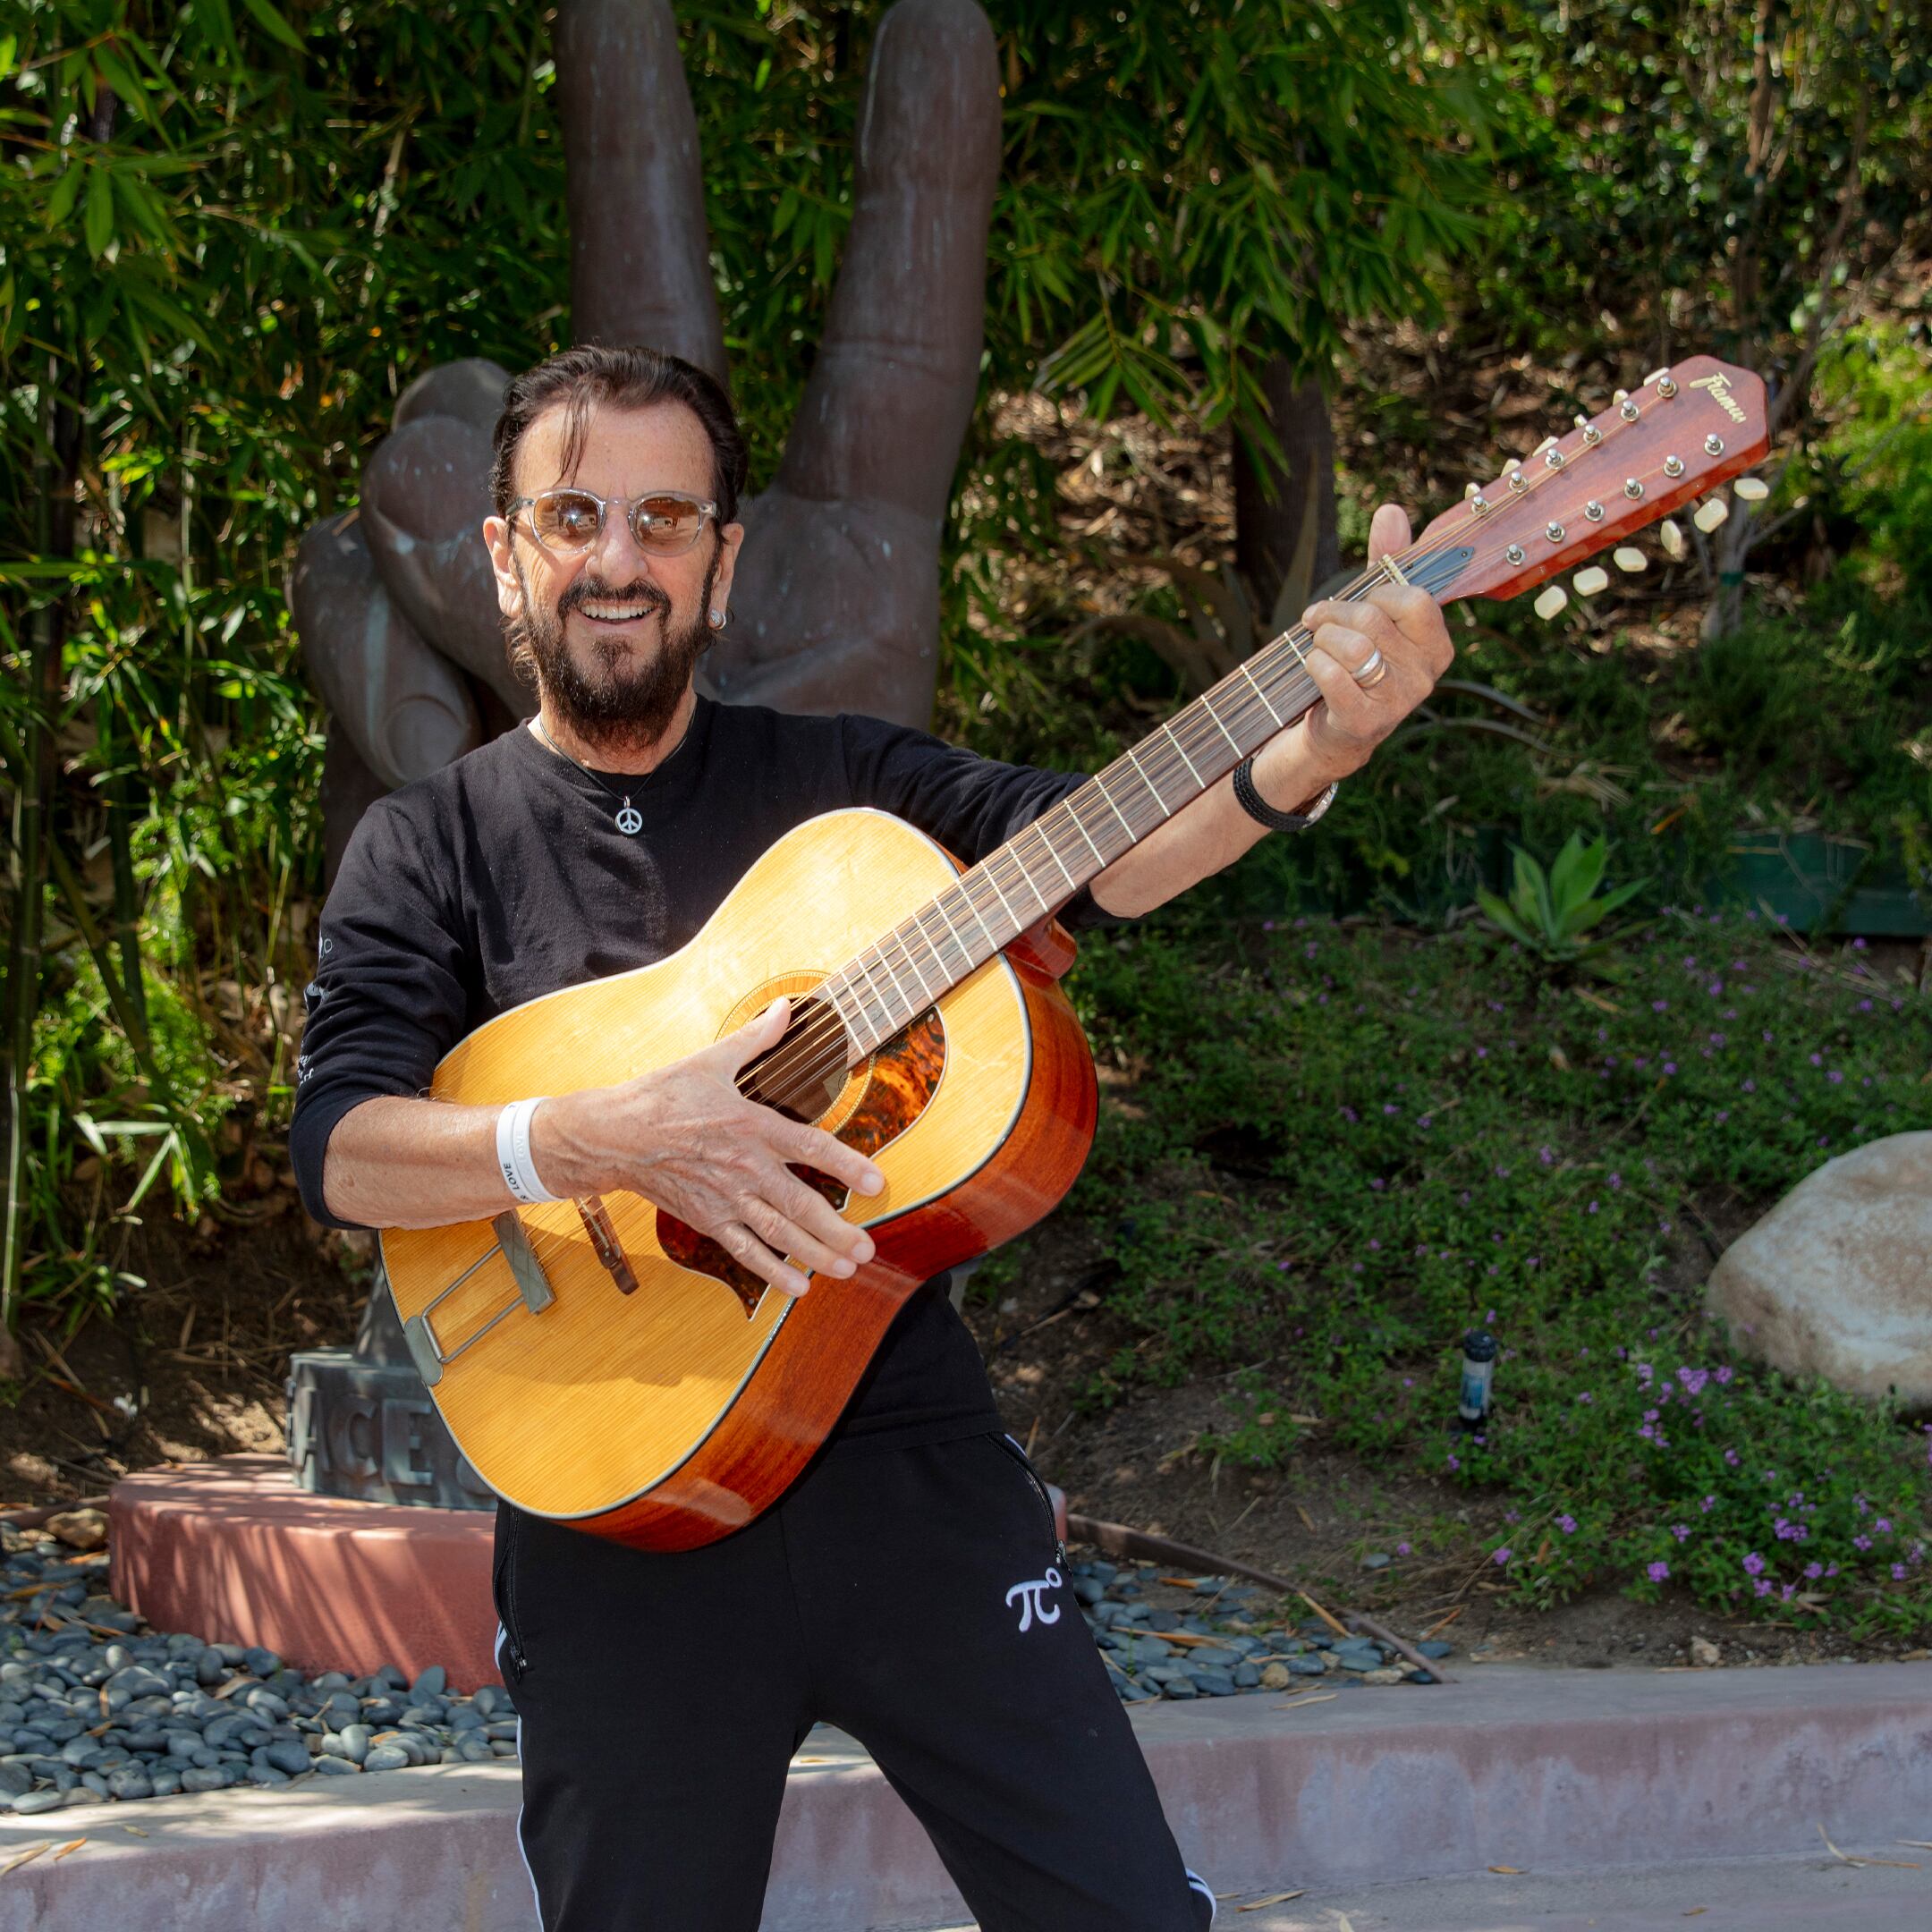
[
  {"x": 496, "y": 536},
  {"x": 730, "y": 536}
]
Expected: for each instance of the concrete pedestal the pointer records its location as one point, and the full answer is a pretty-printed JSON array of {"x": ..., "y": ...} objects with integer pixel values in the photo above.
[{"x": 236, "y": 1552}]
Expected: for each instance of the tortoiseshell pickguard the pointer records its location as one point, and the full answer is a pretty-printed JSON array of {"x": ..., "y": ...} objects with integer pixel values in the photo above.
[{"x": 900, "y": 1079}]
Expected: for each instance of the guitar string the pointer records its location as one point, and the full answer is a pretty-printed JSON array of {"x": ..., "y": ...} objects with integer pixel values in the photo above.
[
  {"x": 801, "y": 1054},
  {"x": 796, "y": 1061}
]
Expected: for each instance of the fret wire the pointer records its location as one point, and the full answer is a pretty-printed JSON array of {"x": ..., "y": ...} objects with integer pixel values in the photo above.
[
  {"x": 913, "y": 963},
  {"x": 948, "y": 974},
  {"x": 1207, "y": 705},
  {"x": 1053, "y": 850},
  {"x": 885, "y": 1005},
  {"x": 1012, "y": 851},
  {"x": 1019, "y": 925},
  {"x": 848, "y": 1020},
  {"x": 1073, "y": 813},
  {"x": 964, "y": 889},
  {"x": 1100, "y": 780},
  {"x": 1262, "y": 695},
  {"x": 965, "y": 950},
  {"x": 1185, "y": 759},
  {"x": 865, "y": 1009},
  {"x": 918, "y": 923},
  {"x": 1135, "y": 760}
]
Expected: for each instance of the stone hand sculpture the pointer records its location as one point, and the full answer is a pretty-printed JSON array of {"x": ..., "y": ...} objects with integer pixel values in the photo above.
[{"x": 836, "y": 605}]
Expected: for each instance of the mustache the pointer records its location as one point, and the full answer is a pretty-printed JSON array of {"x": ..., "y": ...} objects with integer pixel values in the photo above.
[{"x": 586, "y": 589}]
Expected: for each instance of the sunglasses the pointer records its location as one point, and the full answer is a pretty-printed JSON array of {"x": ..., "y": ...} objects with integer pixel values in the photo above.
[{"x": 568, "y": 522}]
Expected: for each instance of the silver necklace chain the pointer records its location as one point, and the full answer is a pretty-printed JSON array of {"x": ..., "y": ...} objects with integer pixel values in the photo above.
[{"x": 629, "y": 819}]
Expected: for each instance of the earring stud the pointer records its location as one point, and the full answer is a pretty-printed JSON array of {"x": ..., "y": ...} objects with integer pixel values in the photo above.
[{"x": 718, "y": 620}]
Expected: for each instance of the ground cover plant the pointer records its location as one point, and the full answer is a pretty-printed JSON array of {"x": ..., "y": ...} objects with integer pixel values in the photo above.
[{"x": 1326, "y": 1151}]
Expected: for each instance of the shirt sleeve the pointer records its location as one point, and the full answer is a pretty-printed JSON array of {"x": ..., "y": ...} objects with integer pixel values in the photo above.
[
  {"x": 388, "y": 997},
  {"x": 972, "y": 805}
]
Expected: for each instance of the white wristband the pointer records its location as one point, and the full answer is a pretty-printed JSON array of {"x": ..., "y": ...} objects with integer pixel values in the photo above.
[{"x": 513, "y": 1153}]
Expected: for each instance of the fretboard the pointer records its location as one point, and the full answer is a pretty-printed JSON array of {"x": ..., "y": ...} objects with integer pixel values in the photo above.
[{"x": 1035, "y": 873}]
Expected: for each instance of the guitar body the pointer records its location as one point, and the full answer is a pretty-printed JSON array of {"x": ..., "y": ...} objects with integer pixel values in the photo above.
[{"x": 602, "y": 1364}]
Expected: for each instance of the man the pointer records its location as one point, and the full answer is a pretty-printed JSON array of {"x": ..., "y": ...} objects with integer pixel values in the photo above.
[{"x": 662, "y": 1695}]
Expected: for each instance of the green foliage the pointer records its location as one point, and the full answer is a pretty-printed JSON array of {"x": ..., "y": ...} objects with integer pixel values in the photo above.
[
  {"x": 1341, "y": 1149},
  {"x": 1549, "y": 913}
]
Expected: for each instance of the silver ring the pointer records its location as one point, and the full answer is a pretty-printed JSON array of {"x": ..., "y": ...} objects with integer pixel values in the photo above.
[{"x": 1373, "y": 671}]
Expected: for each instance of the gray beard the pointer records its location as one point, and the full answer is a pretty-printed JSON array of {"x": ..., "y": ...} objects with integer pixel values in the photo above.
[{"x": 624, "y": 710}]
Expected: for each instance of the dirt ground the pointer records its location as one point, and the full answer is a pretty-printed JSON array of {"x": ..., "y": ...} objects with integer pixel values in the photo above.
[
  {"x": 225, "y": 1311},
  {"x": 1315, "y": 1521}
]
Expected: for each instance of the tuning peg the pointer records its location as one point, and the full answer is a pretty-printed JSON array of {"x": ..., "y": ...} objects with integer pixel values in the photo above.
[
  {"x": 1550, "y": 599},
  {"x": 1630, "y": 560},
  {"x": 1751, "y": 489},
  {"x": 1471, "y": 489},
  {"x": 1711, "y": 514},
  {"x": 1588, "y": 583},
  {"x": 1672, "y": 539},
  {"x": 1592, "y": 434}
]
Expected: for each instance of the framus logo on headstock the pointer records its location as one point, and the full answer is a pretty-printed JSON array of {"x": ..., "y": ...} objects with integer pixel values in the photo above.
[{"x": 1720, "y": 389}]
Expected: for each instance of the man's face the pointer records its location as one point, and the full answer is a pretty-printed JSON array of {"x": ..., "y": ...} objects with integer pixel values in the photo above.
[{"x": 614, "y": 634}]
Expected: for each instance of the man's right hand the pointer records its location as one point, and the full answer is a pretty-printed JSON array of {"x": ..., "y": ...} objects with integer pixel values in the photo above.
[{"x": 689, "y": 1141}]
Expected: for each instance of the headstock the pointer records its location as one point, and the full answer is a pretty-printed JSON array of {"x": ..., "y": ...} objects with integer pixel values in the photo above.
[{"x": 1685, "y": 431}]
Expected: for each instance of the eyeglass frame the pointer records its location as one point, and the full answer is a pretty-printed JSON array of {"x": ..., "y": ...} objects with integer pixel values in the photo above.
[{"x": 707, "y": 510}]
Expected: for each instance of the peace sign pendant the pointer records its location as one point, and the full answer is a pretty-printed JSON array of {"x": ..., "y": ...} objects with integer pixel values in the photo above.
[{"x": 629, "y": 819}]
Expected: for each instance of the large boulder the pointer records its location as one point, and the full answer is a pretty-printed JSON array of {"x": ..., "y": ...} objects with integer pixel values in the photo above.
[{"x": 1836, "y": 1280}]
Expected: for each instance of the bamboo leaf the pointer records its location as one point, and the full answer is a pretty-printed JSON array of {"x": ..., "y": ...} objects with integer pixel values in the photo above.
[
  {"x": 268, "y": 17},
  {"x": 96, "y": 223}
]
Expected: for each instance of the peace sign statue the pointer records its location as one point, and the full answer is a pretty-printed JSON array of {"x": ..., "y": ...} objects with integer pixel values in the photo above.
[{"x": 837, "y": 598}]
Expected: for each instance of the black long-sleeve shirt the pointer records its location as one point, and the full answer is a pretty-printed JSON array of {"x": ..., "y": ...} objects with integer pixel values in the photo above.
[{"x": 504, "y": 876}]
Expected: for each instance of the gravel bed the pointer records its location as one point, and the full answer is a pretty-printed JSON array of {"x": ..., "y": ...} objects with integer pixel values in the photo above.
[
  {"x": 1189, "y": 1637},
  {"x": 96, "y": 1709}
]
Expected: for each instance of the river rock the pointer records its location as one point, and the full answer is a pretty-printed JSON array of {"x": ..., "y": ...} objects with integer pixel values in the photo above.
[
  {"x": 1836, "y": 1280},
  {"x": 81, "y": 1528}
]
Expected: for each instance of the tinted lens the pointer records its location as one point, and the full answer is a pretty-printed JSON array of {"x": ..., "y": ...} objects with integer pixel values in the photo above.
[
  {"x": 565, "y": 520},
  {"x": 666, "y": 524}
]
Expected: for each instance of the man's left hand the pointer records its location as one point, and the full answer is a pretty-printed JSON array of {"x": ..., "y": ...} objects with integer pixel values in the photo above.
[{"x": 1337, "y": 734}]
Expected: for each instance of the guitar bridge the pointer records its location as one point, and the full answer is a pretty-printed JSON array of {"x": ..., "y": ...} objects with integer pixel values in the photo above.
[{"x": 533, "y": 1287}]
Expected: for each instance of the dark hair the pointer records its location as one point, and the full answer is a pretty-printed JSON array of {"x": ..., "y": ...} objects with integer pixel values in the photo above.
[{"x": 622, "y": 378}]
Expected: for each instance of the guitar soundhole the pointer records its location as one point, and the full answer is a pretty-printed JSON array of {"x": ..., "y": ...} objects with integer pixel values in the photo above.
[
  {"x": 805, "y": 1072},
  {"x": 900, "y": 1079}
]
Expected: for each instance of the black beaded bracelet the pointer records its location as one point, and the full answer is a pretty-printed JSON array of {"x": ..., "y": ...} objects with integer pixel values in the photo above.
[{"x": 1259, "y": 808}]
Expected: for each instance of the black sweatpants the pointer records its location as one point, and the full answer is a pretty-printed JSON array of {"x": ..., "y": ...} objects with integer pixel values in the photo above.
[{"x": 913, "y": 1596}]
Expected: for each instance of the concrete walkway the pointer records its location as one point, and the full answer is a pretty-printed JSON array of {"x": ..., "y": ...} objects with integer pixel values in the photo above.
[
  {"x": 1547, "y": 1771},
  {"x": 1762, "y": 1896}
]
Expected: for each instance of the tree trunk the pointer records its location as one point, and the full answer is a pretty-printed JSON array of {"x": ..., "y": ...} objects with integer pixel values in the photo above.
[{"x": 1284, "y": 517}]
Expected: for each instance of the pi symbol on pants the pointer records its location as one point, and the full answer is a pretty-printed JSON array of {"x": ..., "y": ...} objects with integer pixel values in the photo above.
[{"x": 1033, "y": 1605}]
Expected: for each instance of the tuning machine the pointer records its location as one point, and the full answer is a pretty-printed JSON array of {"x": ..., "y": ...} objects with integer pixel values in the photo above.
[
  {"x": 1671, "y": 536},
  {"x": 1711, "y": 513}
]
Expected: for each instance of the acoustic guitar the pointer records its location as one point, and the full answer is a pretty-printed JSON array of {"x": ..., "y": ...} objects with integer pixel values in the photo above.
[{"x": 602, "y": 1364}]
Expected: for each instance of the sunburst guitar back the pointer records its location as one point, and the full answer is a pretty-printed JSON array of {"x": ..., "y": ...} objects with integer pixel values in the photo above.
[{"x": 600, "y": 1364}]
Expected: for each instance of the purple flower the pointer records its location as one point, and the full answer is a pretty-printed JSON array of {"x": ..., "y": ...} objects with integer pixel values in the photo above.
[
  {"x": 1883, "y": 1526},
  {"x": 1708, "y": 1504},
  {"x": 1754, "y": 1565},
  {"x": 1502, "y": 1555},
  {"x": 1682, "y": 1531},
  {"x": 1659, "y": 1572},
  {"x": 1814, "y": 1570},
  {"x": 1567, "y": 1524},
  {"x": 1898, "y": 1572},
  {"x": 1402, "y": 1549}
]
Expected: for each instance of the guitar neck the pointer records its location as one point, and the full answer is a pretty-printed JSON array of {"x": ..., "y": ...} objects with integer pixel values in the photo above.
[
  {"x": 1577, "y": 494},
  {"x": 1036, "y": 872}
]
